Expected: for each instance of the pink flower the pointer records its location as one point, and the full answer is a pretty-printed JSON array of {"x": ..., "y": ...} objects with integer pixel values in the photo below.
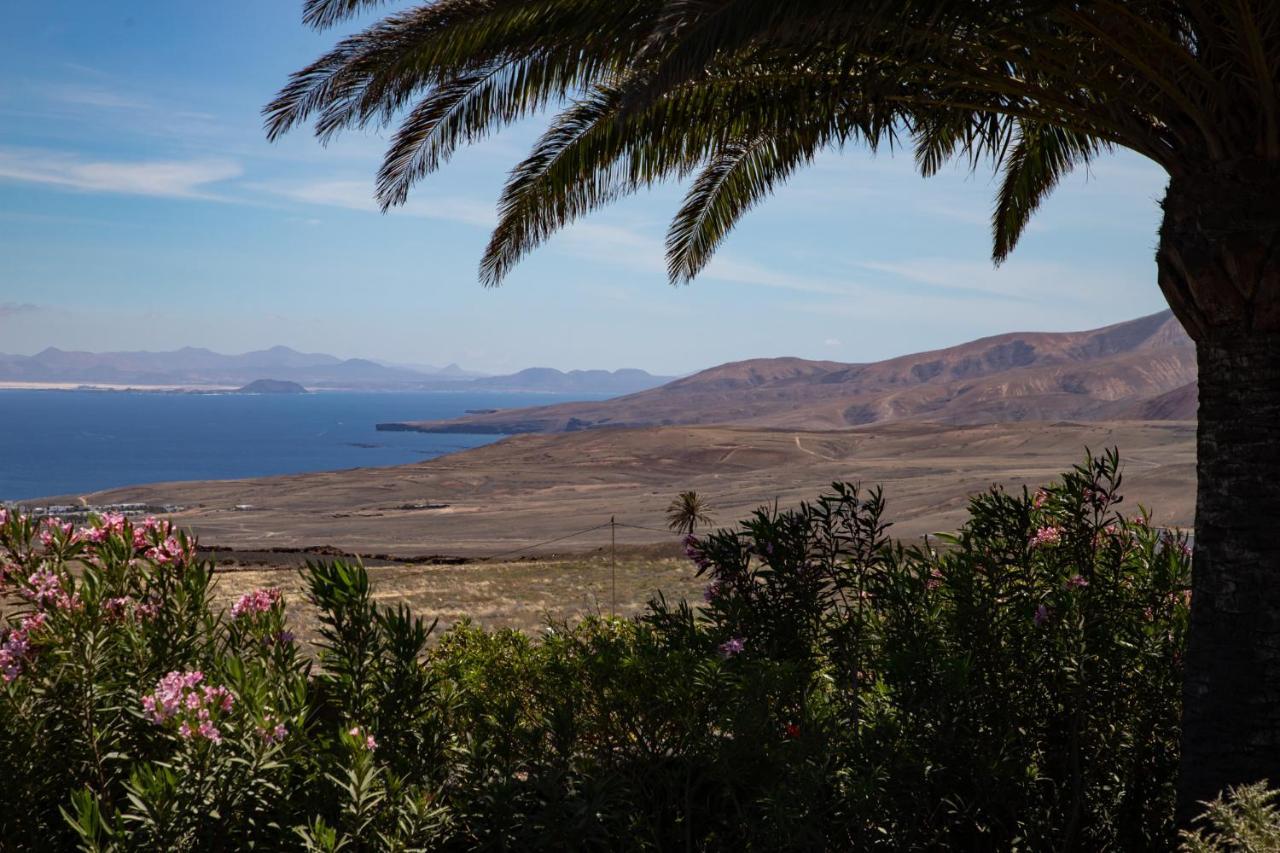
[
  {"x": 45, "y": 588},
  {"x": 15, "y": 647},
  {"x": 1040, "y": 499},
  {"x": 184, "y": 697},
  {"x": 1048, "y": 535},
  {"x": 168, "y": 551},
  {"x": 358, "y": 733},
  {"x": 1042, "y": 615},
  {"x": 280, "y": 638},
  {"x": 102, "y": 529},
  {"x": 1077, "y": 582},
  {"x": 145, "y": 611},
  {"x": 1174, "y": 541},
  {"x": 55, "y": 531},
  {"x": 116, "y": 608},
  {"x": 258, "y": 601},
  {"x": 272, "y": 731},
  {"x": 732, "y": 646},
  {"x": 1096, "y": 497}
]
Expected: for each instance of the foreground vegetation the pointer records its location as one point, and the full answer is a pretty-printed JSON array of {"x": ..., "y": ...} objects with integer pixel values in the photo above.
[{"x": 1017, "y": 687}]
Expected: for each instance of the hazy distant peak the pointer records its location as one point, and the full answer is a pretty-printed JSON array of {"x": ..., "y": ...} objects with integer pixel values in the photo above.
[{"x": 594, "y": 381}]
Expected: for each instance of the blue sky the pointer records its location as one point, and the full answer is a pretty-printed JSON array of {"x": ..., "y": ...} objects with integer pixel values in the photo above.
[{"x": 142, "y": 208}]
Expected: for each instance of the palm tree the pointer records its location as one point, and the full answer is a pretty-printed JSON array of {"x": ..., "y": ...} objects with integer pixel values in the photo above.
[
  {"x": 738, "y": 94},
  {"x": 687, "y": 512}
]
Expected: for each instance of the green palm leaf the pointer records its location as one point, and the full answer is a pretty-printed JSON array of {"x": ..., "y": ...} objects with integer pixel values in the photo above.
[{"x": 744, "y": 92}]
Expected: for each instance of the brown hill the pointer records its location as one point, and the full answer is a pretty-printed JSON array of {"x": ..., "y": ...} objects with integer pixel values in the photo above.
[
  {"x": 1176, "y": 405},
  {"x": 1139, "y": 369}
]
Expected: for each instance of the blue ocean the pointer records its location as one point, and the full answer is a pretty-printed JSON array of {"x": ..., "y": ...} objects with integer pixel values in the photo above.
[{"x": 62, "y": 442}]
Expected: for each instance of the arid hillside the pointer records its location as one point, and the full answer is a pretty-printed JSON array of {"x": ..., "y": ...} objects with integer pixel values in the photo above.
[{"x": 1141, "y": 369}]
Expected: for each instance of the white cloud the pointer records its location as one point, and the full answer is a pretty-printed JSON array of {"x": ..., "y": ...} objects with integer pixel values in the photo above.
[
  {"x": 358, "y": 195},
  {"x": 164, "y": 178}
]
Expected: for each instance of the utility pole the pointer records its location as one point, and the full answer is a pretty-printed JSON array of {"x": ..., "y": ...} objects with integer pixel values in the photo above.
[{"x": 613, "y": 566}]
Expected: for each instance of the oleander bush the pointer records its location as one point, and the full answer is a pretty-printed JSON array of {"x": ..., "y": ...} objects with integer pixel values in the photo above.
[
  {"x": 1244, "y": 818},
  {"x": 1015, "y": 686}
]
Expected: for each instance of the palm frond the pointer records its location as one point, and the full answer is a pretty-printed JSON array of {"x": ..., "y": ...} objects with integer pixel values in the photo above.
[
  {"x": 371, "y": 76},
  {"x": 608, "y": 146},
  {"x": 742, "y": 93},
  {"x": 737, "y": 178},
  {"x": 321, "y": 14},
  {"x": 1039, "y": 159},
  {"x": 466, "y": 109}
]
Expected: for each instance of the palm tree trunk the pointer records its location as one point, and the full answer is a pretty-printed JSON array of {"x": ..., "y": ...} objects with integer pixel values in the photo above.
[
  {"x": 1219, "y": 267},
  {"x": 1231, "y": 692}
]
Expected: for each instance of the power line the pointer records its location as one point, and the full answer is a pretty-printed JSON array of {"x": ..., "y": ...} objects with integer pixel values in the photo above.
[
  {"x": 667, "y": 531},
  {"x": 611, "y": 523},
  {"x": 539, "y": 544}
]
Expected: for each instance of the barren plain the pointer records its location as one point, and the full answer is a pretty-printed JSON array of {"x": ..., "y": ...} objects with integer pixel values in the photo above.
[{"x": 533, "y": 494}]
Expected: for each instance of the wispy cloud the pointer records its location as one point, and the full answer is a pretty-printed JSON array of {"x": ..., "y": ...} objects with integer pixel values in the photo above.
[
  {"x": 164, "y": 178},
  {"x": 1017, "y": 280},
  {"x": 95, "y": 96},
  {"x": 9, "y": 310},
  {"x": 639, "y": 249},
  {"x": 729, "y": 268},
  {"x": 956, "y": 212},
  {"x": 358, "y": 195}
]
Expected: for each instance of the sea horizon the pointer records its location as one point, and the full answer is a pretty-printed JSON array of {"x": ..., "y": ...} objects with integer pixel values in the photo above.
[{"x": 65, "y": 441}]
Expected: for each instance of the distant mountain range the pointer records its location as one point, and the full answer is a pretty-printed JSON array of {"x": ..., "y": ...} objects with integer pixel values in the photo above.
[
  {"x": 1143, "y": 369},
  {"x": 197, "y": 367}
]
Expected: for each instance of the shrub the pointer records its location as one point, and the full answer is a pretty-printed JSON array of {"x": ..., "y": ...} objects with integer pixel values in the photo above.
[
  {"x": 1242, "y": 819},
  {"x": 1013, "y": 686},
  {"x": 1017, "y": 686}
]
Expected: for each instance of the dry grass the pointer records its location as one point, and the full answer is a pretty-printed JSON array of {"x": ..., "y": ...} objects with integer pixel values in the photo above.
[{"x": 521, "y": 595}]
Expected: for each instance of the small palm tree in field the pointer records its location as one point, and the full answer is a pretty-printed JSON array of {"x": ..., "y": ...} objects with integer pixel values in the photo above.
[
  {"x": 736, "y": 95},
  {"x": 687, "y": 512}
]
